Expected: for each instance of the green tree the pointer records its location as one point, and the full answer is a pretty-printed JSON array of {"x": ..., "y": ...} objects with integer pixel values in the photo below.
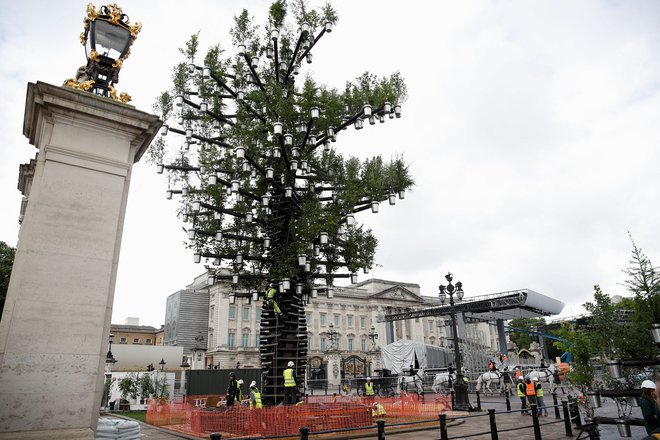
[
  {"x": 7, "y": 254},
  {"x": 521, "y": 338},
  {"x": 644, "y": 284},
  {"x": 264, "y": 194}
]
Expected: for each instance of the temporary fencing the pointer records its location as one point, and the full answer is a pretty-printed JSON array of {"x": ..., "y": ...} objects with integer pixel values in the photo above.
[{"x": 199, "y": 415}]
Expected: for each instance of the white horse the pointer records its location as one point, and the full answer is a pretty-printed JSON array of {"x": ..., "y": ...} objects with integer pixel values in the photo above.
[
  {"x": 545, "y": 375},
  {"x": 489, "y": 377},
  {"x": 416, "y": 380},
  {"x": 442, "y": 381}
]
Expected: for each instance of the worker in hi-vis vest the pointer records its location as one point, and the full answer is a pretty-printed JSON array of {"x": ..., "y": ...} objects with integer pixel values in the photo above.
[
  {"x": 255, "y": 396},
  {"x": 290, "y": 385},
  {"x": 369, "y": 390},
  {"x": 270, "y": 299}
]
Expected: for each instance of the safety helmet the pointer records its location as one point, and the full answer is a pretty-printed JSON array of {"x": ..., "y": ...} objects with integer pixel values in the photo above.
[
  {"x": 648, "y": 384},
  {"x": 368, "y": 378},
  {"x": 232, "y": 374},
  {"x": 535, "y": 379},
  {"x": 253, "y": 384},
  {"x": 520, "y": 379},
  {"x": 240, "y": 381},
  {"x": 291, "y": 364}
]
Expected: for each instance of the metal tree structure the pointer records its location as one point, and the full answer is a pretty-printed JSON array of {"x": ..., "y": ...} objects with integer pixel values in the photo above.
[{"x": 264, "y": 196}]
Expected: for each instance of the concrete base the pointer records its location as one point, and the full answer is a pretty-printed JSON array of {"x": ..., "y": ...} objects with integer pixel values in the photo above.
[
  {"x": 52, "y": 434},
  {"x": 55, "y": 325}
]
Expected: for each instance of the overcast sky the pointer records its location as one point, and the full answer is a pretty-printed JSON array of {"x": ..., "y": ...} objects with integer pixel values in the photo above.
[{"x": 532, "y": 130}]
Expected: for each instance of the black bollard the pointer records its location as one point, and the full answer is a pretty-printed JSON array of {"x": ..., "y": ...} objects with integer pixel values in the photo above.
[
  {"x": 535, "y": 421},
  {"x": 493, "y": 425},
  {"x": 216, "y": 436},
  {"x": 381, "y": 429},
  {"x": 567, "y": 419},
  {"x": 508, "y": 402},
  {"x": 304, "y": 433},
  {"x": 478, "y": 402},
  {"x": 556, "y": 405},
  {"x": 443, "y": 427}
]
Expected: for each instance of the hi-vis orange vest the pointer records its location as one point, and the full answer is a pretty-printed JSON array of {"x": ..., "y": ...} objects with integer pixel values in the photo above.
[{"x": 530, "y": 390}]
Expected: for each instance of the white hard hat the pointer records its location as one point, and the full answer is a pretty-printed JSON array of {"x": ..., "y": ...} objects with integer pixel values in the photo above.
[
  {"x": 253, "y": 383},
  {"x": 291, "y": 364},
  {"x": 537, "y": 379},
  {"x": 240, "y": 381},
  {"x": 368, "y": 378},
  {"x": 648, "y": 385}
]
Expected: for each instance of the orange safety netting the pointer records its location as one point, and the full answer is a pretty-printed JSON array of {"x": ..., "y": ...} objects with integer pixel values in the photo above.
[{"x": 199, "y": 415}]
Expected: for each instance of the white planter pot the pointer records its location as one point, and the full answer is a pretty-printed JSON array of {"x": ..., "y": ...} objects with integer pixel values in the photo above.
[{"x": 374, "y": 207}]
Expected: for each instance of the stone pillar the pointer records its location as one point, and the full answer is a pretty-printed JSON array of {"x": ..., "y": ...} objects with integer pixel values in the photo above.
[
  {"x": 501, "y": 336},
  {"x": 55, "y": 326},
  {"x": 334, "y": 371},
  {"x": 373, "y": 358}
]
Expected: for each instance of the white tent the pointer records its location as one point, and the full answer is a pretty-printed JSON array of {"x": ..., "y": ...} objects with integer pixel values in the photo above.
[{"x": 400, "y": 355}]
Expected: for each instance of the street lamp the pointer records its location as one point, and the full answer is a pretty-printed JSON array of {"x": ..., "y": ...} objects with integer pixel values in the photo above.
[
  {"x": 109, "y": 358},
  {"x": 461, "y": 401},
  {"x": 332, "y": 334},
  {"x": 107, "y": 37},
  {"x": 161, "y": 364},
  {"x": 373, "y": 335}
]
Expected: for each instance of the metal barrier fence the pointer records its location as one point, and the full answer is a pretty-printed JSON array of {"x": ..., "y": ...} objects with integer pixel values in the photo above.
[{"x": 565, "y": 413}]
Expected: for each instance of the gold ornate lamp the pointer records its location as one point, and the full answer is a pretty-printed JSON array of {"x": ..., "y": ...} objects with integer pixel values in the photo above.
[{"x": 108, "y": 36}]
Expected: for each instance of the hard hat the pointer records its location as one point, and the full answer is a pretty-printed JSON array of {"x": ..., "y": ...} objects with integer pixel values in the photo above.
[
  {"x": 648, "y": 385},
  {"x": 520, "y": 379},
  {"x": 253, "y": 383},
  {"x": 240, "y": 381},
  {"x": 232, "y": 374},
  {"x": 535, "y": 379},
  {"x": 368, "y": 378},
  {"x": 291, "y": 364}
]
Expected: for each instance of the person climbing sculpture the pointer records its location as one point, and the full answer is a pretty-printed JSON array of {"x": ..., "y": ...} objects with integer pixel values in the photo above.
[{"x": 271, "y": 293}]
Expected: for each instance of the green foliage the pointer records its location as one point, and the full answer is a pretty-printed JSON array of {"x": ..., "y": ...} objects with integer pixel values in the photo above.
[
  {"x": 277, "y": 14},
  {"x": 324, "y": 196},
  {"x": 7, "y": 254},
  {"x": 616, "y": 331},
  {"x": 522, "y": 339}
]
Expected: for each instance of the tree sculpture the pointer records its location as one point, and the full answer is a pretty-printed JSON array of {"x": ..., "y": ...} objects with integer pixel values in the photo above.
[{"x": 264, "y": 194}]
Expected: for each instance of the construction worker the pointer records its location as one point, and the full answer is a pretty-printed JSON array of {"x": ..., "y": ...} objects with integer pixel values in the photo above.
[
  {"x": 369, "y": 390},
  {"x": 239, "y": 392},
  {"x": 290, "y": 385},
  {"x": 530, "y": 392},
  {"x": 231, "y": 390},
  {"x": 255, "y": 396},
  {"x": 377, "y": 410},
  {"x": 543, "y": 410},
  {"x": 520, "y": 387},
  {"x": 270, "y": 299}
]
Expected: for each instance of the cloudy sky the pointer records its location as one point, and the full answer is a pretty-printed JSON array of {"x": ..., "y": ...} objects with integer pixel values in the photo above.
[{"x": 531, "y": 129}]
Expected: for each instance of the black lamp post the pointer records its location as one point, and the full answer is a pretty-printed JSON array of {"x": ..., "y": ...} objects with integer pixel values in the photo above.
[
  {"x": 332, "y": 334},
  {"x": 373, "y": 335},
  {"x": 109, "y": 358},
  {"x": 107, "y": 36},
  {"x": 161, "y": 364},
  {"x": 461, "y": 401}
]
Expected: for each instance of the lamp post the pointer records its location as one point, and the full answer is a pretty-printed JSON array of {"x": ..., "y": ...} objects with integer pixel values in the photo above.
[
  {"x": 185, "y": 366},
  {"x": 373, "y": 335},
  {"x": 460, "y": 387},
  {"x": 107, "y": 37},
  {"x": 332, "y": 334},
  {"x": 109, "y": 358}
]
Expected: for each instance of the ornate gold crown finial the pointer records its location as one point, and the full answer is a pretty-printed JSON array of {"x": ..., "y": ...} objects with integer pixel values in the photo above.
[{"x": 104, "y": 63}]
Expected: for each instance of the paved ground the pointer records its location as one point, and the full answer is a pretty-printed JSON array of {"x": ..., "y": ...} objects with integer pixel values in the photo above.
[{"x": 474, "y": 425}]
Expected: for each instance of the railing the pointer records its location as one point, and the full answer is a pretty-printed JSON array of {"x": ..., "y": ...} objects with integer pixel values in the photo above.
[{"x": 569, "y": 410}]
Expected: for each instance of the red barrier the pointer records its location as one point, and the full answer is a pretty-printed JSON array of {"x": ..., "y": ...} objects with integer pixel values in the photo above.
[{"x": 200, "y": 415}]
